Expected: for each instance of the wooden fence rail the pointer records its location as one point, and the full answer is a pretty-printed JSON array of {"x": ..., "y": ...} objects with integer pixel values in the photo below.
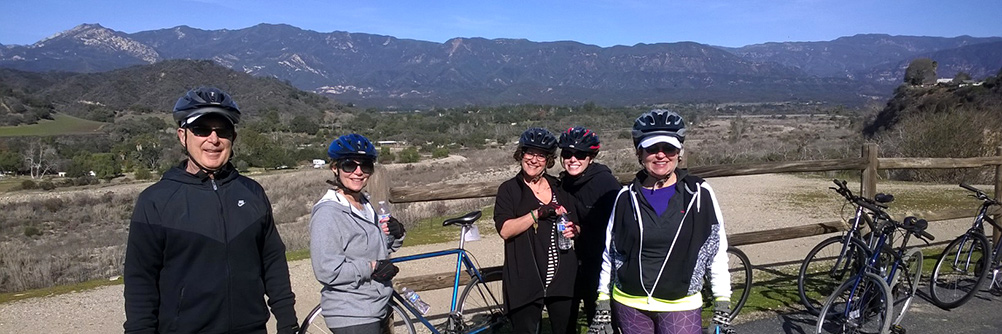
[{"x": 868, "y": 165}]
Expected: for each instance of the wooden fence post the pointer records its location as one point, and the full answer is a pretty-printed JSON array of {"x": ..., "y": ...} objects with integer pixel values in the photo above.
[
  {"x": 996, "y": 233},
  {"x": 868, "y": 182},
  {"x": 379, "y": 186}
]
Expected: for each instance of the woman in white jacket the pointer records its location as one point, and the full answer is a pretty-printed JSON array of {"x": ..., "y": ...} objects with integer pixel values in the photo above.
[
  {"x": 350, "y": 247},
  {"x": 664, "y": 234}
]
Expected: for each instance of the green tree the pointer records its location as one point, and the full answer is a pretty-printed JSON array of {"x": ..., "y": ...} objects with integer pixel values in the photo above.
[
  {"x": 104, "y": 165},
  {"x": 409, "y": 155},
  {"x": 385, "y": 155},
  {"x": 921, "y": 71},
  {"x": 961, "y": 77},
  {"x": 303, "y": 124},
  {"x": 440, "y": 152},
  {"x": 9, "y": 161}
]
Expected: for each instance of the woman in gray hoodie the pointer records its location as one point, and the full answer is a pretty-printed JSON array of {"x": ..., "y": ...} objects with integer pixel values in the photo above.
[{"x": 350, "y": 247}]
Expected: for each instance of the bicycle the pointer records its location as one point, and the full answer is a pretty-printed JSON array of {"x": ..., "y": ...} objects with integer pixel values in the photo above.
[
  {"x": 477, "y": 309},
  {"x": 741, "y": 282},
  {"x": 866, "y": 302},
  {"x": 961, "y": 268},
  {"x": 832, "y": 260}
]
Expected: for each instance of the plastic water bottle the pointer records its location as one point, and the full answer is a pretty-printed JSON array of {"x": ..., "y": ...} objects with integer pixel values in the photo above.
[
  {"x": 415, "y": 300},
  {"x": 384, "y": 212},
  {"x": 563, "y": 242}
]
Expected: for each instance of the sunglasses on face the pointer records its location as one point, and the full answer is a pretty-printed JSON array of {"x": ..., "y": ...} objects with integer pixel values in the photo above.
[
  {"x": 668, "y": 149},
  {"x": 580, "y": 155},
  {"x": 205, "y": 131},
  {"x": 349, "y": 166}
]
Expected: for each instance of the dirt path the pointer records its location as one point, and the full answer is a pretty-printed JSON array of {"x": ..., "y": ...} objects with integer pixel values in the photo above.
[{"x": 749, "y": 203}]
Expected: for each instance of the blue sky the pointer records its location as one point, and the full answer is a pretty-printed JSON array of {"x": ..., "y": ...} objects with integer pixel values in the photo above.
[{"x": 599, "y": 22}]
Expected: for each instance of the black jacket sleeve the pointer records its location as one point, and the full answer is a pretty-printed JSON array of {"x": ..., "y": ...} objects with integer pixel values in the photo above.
[{"x": 277, "y": 285}]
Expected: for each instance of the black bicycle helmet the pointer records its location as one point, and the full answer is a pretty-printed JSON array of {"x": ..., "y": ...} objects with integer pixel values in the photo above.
[
  {"x": 205, "y": 100},
  {"x": 658, "y": 122},
  {"x": 351, "y": 146},
  {"x": 579, "y": 139},
  {"x": 538, "y": 138}
]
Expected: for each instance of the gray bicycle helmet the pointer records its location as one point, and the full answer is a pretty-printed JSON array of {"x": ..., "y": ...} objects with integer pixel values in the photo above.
[
  {"x": 538, "y": 138},
  {"x": 658, "y": 122},
  {"x": 205, "y": 100}
]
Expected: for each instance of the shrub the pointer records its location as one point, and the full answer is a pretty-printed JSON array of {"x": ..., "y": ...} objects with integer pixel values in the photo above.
[
  {"x": 440, "y": 152},
  {"x": 52, "y": 204},
  {"x": 31, "y": 231},
  {"x": 28, "y": 185},
  {"x": 409, "y": 155},
  {"x": 47, "y": 185},
  {"x": 143, "y": 174}
]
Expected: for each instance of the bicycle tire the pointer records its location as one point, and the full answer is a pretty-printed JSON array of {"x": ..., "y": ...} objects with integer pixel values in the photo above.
[
  {"x": 960, "y": 270},
  {"x": 741, "y": 278},
  {"x": 817, "y": 277},
  {"x": 481, "y": 305},
  {"x": 865, "y": 309},
  {"x": 314, "y": 322},
  {"x": 905, "y": 283}
]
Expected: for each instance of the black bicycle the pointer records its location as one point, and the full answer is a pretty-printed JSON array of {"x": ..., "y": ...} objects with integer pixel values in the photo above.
[
  {"x": 835, "y": 259},
  {"x": 968, "y": 259}
]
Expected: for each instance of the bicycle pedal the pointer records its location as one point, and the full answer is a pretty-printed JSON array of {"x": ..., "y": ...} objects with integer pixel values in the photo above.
[{"x": 895, "y": 329}]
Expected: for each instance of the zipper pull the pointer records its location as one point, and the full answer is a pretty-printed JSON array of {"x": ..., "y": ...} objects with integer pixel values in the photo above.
[
  {"x": 650, "y": 299},
  {"x": 214, "y": 188}
]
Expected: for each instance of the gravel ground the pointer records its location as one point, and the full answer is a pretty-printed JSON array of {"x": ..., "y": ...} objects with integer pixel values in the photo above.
[{"x": 749, "y": 203}]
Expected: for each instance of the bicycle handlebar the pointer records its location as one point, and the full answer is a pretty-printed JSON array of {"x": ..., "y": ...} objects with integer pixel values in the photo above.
[{"x": 980, "y": 194}]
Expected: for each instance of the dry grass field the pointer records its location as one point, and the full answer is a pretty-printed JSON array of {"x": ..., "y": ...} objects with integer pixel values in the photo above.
[{"x": 61, "y": 237}]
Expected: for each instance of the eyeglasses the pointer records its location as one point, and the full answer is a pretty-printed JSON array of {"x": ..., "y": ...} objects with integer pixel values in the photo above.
[
  {"x": 349, "y": 166},
  {"x": 205, "y": 131},
  {"x": 668, "y": 149},
  {"x": 580, "y": 155},
  {"x": 526, "y": 155}
]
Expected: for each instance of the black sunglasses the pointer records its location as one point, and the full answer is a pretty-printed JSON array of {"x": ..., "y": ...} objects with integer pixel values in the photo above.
[
  {"x": 205, "y": 131},
  {"x": 349, "y": 166},
  {"x": 668, "y": 149},
  {"x": 580, "y": 155}
]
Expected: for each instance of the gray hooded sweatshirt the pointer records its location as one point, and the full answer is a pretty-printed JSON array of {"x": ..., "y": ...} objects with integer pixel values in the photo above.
[{"x": 343, "y": 243}]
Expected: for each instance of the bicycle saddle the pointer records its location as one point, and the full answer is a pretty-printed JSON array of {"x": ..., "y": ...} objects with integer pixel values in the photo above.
[
  {"x": 915, "y": 224},
  {"x": 883, "y": 198},
  {"x": 466, "y": 219}
]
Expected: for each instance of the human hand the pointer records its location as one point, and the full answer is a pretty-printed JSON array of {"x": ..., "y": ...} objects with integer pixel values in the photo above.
[
  {"x": 570, "y": 229},
  {"x": 294, "y": 329},
  {"x": 545, "y": 211},
  {"x": 722, "y": 318},
  {"x": 394, "y": 228},
  {"x": 384, "y": 271},
  {"x": 602, "y": 323}
]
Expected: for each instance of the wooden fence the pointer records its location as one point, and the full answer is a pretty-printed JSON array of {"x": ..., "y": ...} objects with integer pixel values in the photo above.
[{"x": 868, "y": 164}]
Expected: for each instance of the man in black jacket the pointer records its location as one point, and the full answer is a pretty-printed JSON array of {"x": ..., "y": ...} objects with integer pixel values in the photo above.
[{"x": 203, "y": 250}]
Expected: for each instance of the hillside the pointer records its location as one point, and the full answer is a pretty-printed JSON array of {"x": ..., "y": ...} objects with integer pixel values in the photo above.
[
  {"x": 387, "y": 72},
  {"x": 147, "y": 89}
]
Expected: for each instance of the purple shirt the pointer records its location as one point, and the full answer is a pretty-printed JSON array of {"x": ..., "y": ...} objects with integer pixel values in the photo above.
[{"x": 659, "y": 198}]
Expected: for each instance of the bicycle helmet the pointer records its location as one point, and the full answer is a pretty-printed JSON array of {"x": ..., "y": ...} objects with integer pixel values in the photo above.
[
  {"x": 538, "y": 138},
  {"x": 351, "y": 146},
  {"x": 205, "y": 100},
  {"x": 579, "y": 139},
  {"x": 658, "y": 125}
]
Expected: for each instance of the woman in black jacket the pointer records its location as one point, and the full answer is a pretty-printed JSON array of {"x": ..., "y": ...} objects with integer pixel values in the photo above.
[
  {"x": 594, "y": 187},
  {"x": 536, "y": 271}
]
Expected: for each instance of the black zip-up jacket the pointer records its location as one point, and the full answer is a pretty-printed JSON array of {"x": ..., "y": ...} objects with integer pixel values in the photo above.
[
  {"x": 202, "y": 255},
  {"x": 595, "y": 191},
  {"x": 524, "y": 274}
]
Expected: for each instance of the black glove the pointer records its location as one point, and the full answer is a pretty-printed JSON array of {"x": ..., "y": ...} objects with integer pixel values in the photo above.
[
  {"x": 384, "y": 271},
  {"x": 289, "y": 330},
  {"x": 722, "y": 318},
  {"x": 545, "y": 211},
  {"x": 396, "y": 228},
  {"x": 602, "y": 323}
]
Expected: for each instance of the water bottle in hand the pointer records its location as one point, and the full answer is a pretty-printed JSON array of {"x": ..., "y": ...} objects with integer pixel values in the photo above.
[
  {"x": 384, "y": 213},
  {"x": 563, "y": 242},
  {"x": 415, "y": 300}
]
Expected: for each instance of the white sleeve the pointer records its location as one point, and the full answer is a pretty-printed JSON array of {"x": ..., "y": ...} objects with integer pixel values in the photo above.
[
  {"x": 605, "y": 275},
  {"x": 720, "y": 277}
]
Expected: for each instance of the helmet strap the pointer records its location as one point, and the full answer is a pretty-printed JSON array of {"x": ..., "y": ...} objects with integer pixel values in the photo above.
[{"x": 210, "y": 172}]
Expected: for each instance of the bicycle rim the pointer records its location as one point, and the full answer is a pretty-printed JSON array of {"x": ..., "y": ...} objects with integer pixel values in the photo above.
[
  {"x": 741, "y": 279},
  {"x": 481, "y": 305},
  {"x": 315, "y": 324},
  {"x": 857, "y": 308},
  {"x": 906, "y": 283},
  {"x": 959, "y": 271},
  {"x": 823, "y": 270}
]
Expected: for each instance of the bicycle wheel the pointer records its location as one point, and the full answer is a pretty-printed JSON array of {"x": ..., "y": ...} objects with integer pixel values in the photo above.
[
  {"x": 314, "y": 322},
  {"x": 959, "y": 271},
  {"x": 905, "y": 283},
  {"x": 823, "y": 270},
  {"x": 481, "y": 305},
  {"x": 862, "y": 307},
  {"x": 741, "y": 279}
]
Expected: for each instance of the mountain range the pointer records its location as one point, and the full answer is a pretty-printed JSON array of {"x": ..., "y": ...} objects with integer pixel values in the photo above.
[{"x": 388, "y": 72}]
